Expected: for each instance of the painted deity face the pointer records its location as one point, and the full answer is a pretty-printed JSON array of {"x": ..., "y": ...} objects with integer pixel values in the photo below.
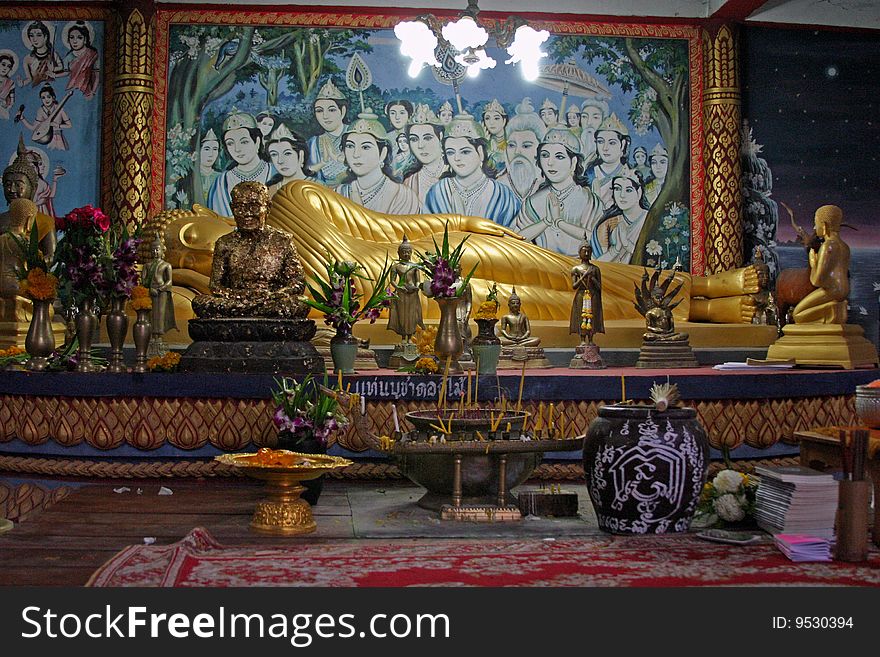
[
  {"x": 549, "y": 116},
  {"x": 640, "y": 158},
  {"x": 573, "y": 118},
  {"x": 208, "y": 153},
  {"x": 362, "y": 153},
  {"x": 524, "y": 143},
  {"x": 592, "y": 118},
  {"x": 626, "y": 193},
  {"x": 463, "y": 156},
  {"x": 241, "y": 146},
  {"x": 75, "y": 40},
  {"x": 609, "y": 147},
  {"x": 425, "y": 144},
  {"x": 445, "y": 116},
  {"x": 329, "y": 115},
  {"x": 5, "y": 67},
  {"x": 46, "y": 98},
  {"x": 398, "y": 116},
  {"x": 287, "y": 160},
  {"x": 265, "y": 125},
  {"x": 659, "y": 166},
  {"x": 402, "y": 143},
  {"x": 37, "y": 38},
  {"x": 16, "y": 185},
  {"x": 494, "y": 123},
  {"x": 557, "y": 165}
]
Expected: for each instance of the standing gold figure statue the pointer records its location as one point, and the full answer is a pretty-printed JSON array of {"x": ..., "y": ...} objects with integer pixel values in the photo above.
[
  {"x": 158, "y": 273},
  {"x": 256, "y": 271},
  {"x": 820, "y": 334}
]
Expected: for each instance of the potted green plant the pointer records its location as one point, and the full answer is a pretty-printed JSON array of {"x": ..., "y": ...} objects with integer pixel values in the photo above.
[
  {"x": 306, "y": 415},
  {"x": 338, "y": 298}
]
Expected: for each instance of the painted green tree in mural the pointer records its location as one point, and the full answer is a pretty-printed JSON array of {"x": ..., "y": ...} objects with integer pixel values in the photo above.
[
  {"x": 657, "y": 71},
  {"x": 207, "y": 62}
]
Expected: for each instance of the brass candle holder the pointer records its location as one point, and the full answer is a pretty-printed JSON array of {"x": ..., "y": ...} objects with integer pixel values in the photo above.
[{"x": 283, "y": 513}]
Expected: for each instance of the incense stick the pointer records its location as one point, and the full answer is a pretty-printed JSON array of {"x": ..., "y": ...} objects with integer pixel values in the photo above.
[{"x": 522, "y": 380}]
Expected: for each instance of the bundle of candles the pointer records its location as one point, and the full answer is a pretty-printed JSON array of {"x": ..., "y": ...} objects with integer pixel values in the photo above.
[{"x": 854, "y": 453}]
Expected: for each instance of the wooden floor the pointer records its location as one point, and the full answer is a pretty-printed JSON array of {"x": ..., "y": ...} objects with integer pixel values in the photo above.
[{"x": 63, "y": 544}]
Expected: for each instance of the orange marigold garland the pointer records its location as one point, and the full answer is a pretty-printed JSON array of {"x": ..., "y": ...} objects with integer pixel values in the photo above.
[
  {"x": 140, "y": 298},
  {"x": 39, "y": 285},
  {"x": 166, "y": 363}
]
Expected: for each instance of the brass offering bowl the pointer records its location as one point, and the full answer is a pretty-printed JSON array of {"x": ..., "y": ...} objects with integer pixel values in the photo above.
[
  {"x": 470, "y": 419},
  {"x": 868, "y": 406},
  {"x": 283, "y": 513}
]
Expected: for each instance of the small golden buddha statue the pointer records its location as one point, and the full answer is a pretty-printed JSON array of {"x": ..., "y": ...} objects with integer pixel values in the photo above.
[
  {"x": 256, "y": 271},
  {"x": 515, "y": 329},
  {"x": 162, "y": 315},
  {"x": 518, "y": 345},
  {"x": 20, "y": 182}
]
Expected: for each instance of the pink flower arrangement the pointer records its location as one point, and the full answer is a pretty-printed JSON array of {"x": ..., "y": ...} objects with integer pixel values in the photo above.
[{"x": 84, "y": 218}]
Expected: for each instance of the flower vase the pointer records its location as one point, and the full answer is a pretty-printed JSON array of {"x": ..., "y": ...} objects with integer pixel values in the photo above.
[
  {"x": 305, "y": 445},
  {"x": 343, "y": 350},
  {"x": 40, "y": 341},
  {"x": 645, "y": 468},
  {"x": 117, "y": 328},
  {"x": 86, "y": 325},
  {"x": 140, "y": 333},
  {"x": 448, "y": 345},
  {"x": 486, "y": 346}
]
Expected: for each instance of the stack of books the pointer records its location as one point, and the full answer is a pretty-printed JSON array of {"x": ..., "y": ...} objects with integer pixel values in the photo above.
[
  {"x": 798, "y": 547},
  {"x": 796, "y": 500}
]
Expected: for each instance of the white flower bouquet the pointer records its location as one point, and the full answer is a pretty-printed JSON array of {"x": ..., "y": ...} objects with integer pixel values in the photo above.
[{"x": 728, "y": 499}]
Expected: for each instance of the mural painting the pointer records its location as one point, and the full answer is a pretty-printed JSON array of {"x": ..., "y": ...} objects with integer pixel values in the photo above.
[
  {"x": 51, "y": 96},
  {"x": 814, "y": 134},
  {"x": 600, "y": 145}
]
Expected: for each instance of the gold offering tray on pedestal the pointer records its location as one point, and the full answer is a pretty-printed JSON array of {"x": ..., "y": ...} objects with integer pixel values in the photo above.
[{"x": 283, "y": 512}]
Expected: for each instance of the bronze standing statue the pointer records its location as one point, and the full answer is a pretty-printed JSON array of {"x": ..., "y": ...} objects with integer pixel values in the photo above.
[
  {"x": 405, "y": 314},
  {"x": 158, "y": 273},
  {"x": 587, "y": 317}
]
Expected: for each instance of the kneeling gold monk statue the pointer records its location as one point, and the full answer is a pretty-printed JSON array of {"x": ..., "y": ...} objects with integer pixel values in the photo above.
[{"x": 256, "y": 271}]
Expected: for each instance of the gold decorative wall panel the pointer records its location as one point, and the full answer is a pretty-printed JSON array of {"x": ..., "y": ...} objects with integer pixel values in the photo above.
[
  {"x": 132, "y": 118},
  {"x": 722, "y": 115}
]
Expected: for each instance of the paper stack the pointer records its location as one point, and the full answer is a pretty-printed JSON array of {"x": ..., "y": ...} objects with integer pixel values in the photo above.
[
  {"x": 799, "y": 547},
  {"x": 796, "y": 500}
]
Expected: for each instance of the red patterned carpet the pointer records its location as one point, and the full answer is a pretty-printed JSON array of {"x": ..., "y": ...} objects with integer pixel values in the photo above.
[{"x": 650, "y": 561}]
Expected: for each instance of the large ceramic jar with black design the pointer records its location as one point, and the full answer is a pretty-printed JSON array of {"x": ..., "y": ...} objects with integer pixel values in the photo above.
[{"x": 645, "y": 469}]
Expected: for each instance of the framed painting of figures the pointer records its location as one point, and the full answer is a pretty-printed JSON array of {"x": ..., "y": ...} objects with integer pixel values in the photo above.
[
  {"x": 604, "y": 145},
  {"x": 52, "y": 80}
]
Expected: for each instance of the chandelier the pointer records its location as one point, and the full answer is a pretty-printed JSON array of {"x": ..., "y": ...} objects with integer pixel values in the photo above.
[{"x": 427, "y": 41}]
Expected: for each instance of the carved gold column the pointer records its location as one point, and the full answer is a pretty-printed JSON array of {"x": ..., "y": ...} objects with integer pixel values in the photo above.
[
  {"x": 133, "y": 111},
  {"x": 722, "y": 115}
]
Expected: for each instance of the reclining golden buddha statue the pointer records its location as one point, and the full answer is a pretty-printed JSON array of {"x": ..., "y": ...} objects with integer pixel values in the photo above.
[{"x": 322, "y": 221}]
